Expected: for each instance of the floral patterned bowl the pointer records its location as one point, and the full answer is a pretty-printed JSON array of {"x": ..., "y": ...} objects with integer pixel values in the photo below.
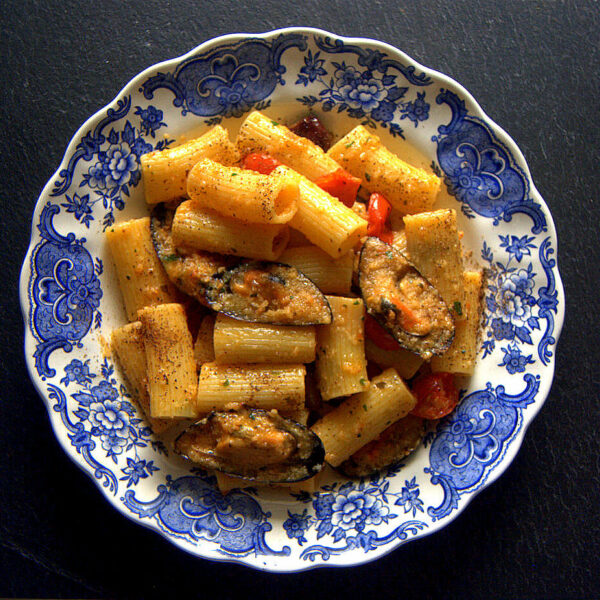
[{"x": 71, "y": 300}]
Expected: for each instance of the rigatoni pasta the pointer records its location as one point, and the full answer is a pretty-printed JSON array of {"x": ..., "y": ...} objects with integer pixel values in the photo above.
[
  {"x": 258, "y": 133},
  {"x": 238, "y": 342},
  {"x": 331, "y": 275},
  {"x": 361, "y": 418},
  {"x": 170, "y": 364},
  {"x": 341, "y": 362},
  {"x": 271, "y": 386},
  {"x": 408, "y": 189},
  {"x": 165, "y": 172},
  {"x": 325, "y": 221},
  {"x": 460, "y": 357},
  {"x": 434, "y": 247},
  {"x": 199, "y": 228},
  {"x": 128, "y": 345},
  {"x": 141, "y": 276},
  {"x": 244, "y": 194}
]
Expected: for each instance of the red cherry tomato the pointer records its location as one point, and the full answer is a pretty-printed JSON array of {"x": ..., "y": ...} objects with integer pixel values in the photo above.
[
  {"x": 436, "y": 395},
  {"x": 261, "y": 162},
  {"x": 341, "y": 185},
  {"x": 378, "y": 212},
  {"x": 378, "y": 335}
]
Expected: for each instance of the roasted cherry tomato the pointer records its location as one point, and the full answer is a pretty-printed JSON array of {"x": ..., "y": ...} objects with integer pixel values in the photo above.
[
  {"x": 379, "y": 336},
  {"x": 261, "y": 162},
  {"x": 340, "y": 184},
  {"x": 378, "y": 212},
  {"x": 436, "y": 395}
]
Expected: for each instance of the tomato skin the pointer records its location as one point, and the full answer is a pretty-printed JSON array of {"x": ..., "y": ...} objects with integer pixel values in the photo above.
[
  {"x": 340, "y": 184},
  {"x": 379, "y": 336},
  {"x": 261, "y": 162},
  {"x": 436, "y": 395},
  {"x": 378, "y": 211}
]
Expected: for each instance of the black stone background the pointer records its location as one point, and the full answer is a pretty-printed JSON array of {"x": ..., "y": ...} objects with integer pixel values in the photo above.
[{"x": 534, "y": 68}]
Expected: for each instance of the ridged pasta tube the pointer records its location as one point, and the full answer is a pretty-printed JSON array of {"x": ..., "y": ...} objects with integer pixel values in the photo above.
[
  {"x": 361, "y": 418},
  {"x": 165, "y": 172},
  {"x": 244, "y": 194},
  {"x": 407, "y": 188}
]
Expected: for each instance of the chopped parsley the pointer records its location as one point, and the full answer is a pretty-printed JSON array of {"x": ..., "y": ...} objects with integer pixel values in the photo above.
[
  {"x": 274, "y": 123},
  {"x": 362, "y": 381},
  {"x": 226, "y": 382},
  {"x": 365, "y": 407},
  {"x": 367, "y": 177},
  {"x": 349, "y": 144},
  {"x": 170, "y": 257},
  {"x": 356, "y": 302},
  {"x": 389, "y": 254},
  {"x": 458, "y": 308}
]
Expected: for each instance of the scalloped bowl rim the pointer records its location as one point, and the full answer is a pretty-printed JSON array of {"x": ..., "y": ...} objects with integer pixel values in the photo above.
[{"x": 476, "y": 109}]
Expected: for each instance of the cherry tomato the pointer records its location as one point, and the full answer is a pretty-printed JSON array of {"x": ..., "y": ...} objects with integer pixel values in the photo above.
[
  {"x": 379, "y": 336},
  {"x": 341, "y": 185},
  {"x": 261, "y": 162},
  {"x": 436, "y": 395},
  {"x": 377, "y": 213}
]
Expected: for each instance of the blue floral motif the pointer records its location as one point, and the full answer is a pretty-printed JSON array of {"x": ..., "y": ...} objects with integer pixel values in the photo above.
[
  {"x": 480, "y": 171},
  {"x": 81, "y": 207},
  {"x": 78, "y": 372},
  {"x": 192, "y": 508},
  {"x": 228, "y": 80},
  {"x": 513, "y": 311},
  {"x": 416, "y": 111},
  {"x": 151, "y": 119},
  {"x": 296, "y": 525},
  {"x": 116, "y": 159},
  {"x": 312, "y": 69},
  {"x": 364, "y": 94},
  {"x": 136, "y": 470},
  {"x": 409, "y": 497},
  {"x": 514, "y": 361},
  {"x": 472, "y": 440},
  {"x": 64, "y": 291}
]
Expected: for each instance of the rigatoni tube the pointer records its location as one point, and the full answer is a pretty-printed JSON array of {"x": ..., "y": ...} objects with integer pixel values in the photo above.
[
  {"x": 165, "y": 172},
  {"x": 361, "y": 418},
  {"x": 274, "y": 386},
  {"x": 434, "y": 247},
  {"x": 326, "y": 221},
  {"x": 128, "y": 345},
  {"x": 242, "y": 342},
  {"x": 243, "y": 194},
  {"x": 330, "y": 275},
  {"x": 259, "y": 133},
  {"x": 460, "y": 357},
  {"x": 142, "y": 279},
  {"x": 170, "y": 363},
  {"x": 198, "y": 228},
  {"x": 407, "y": 188},
  {"x": 341, "y": 363}
]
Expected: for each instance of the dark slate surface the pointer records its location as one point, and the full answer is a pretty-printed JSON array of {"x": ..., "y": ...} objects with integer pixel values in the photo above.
[{"x": 534, "y": 68}]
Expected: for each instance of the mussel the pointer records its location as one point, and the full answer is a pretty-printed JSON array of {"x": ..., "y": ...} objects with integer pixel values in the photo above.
[
  {"x": 254, "y": 444},
  {"x": 397, "y": 441},
  {"x": 257, "y": 291},
  {"x": 403, "y": 301}
]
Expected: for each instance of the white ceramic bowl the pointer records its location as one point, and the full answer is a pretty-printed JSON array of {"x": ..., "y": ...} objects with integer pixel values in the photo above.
[{"x": 71, "y": 300}]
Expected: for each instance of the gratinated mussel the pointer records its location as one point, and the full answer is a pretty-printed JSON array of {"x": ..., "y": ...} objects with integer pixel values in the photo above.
[
  {"x": 257, "y": 291},
  {"x": 393, "y": 444},
  {"x": 253, "y": 444},
  {"x": 403, "y": 301}
]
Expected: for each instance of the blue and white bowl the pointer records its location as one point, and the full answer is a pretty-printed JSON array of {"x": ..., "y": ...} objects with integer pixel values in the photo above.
[{"x": 71, "y": 300}]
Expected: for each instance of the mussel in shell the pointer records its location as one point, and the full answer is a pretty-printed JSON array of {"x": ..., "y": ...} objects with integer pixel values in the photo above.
[
  {"x": 254, "y": 444},
  {"x": 257, "y": 291},
  {"x": 403, "y": 301}
]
